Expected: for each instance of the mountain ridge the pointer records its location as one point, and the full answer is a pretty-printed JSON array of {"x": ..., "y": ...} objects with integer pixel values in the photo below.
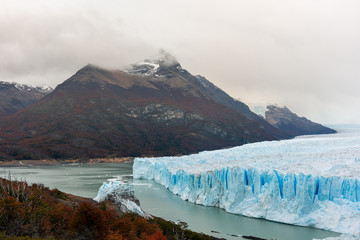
[
  {"x": 152, "y": 108},
  {"x": 289, "y": 122},
  {"x": 99, "y": 113},
  {"x": 15, "y": 96}
]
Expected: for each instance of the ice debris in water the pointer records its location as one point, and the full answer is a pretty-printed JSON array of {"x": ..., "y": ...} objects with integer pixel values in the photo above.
[
  {"x": 342, "y": 237},
  {"x": 122, "y": 194},
  {"x": 308, "y": 181}
]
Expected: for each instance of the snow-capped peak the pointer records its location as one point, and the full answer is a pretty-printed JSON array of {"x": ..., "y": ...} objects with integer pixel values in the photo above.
[
  {"x": 46, "y": 88},
  {"x": 24, "y": 87},
  {"x": 150, "y": 67},
  {"x": 276, "y": 105},
  {"x": 146, "y": 67}
]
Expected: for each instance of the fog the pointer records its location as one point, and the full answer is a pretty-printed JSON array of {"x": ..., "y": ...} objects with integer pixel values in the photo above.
[{"x": 302, "y": 54}]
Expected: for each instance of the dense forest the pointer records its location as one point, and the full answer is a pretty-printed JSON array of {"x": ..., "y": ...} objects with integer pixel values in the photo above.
[{"x": 36, "y": 212}]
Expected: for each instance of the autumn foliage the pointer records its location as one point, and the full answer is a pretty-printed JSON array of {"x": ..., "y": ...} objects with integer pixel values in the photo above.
[{"x": 36, "y": 212}]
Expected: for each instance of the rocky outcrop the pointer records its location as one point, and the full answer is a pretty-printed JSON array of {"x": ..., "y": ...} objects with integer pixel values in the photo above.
[{"x": 292, "y": 124}]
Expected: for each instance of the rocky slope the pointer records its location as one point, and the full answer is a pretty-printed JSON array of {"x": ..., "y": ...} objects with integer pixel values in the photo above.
[
  {"x": 292, "y": 124},
  {"x": 154, "y": 108},
  {"x": 15, "y": 96}
]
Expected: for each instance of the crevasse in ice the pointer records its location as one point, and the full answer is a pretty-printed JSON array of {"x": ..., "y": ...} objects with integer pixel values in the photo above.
[{"x": 307, "y": 181}]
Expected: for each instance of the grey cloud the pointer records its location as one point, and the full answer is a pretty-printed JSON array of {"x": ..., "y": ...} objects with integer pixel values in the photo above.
[
  {"x": 45, "y": 45},
  {"x": 304, "y": 54}
]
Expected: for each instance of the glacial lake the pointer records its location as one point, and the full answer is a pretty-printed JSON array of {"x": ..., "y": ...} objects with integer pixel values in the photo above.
[{"x": 85, "y": 180}]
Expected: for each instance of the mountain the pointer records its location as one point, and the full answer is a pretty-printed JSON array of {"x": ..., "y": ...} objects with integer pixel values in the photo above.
[
  {"x": 292, "y": 124},
  {"x": 15, "y": 96},
  {"x": 208, "y": 89},
  {"x": 153, "y": 108}
]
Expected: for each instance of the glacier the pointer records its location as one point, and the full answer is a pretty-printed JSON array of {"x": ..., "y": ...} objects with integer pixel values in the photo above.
[{"x": 307, "y": 181}]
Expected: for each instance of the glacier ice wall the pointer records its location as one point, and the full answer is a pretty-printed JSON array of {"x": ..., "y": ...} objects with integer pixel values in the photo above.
[{"x": 307, "y": 181}]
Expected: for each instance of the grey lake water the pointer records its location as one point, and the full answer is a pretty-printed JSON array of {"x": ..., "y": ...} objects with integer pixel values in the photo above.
[{"x": 85, "y": 180}]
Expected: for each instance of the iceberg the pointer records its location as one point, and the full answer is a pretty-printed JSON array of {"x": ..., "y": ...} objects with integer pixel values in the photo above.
[
  {"x": 307, "y": 181},
  {"x": 122, "y": 194}
]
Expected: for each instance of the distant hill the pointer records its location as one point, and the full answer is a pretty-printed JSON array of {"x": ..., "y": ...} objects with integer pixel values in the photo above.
[
  {"x": 155, "y": 107},
  {"x": 292, "y": 124},
  {"x": 15, "y": 97}
]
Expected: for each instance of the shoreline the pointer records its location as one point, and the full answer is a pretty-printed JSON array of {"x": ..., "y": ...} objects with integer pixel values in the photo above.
[{"x": 53, "y": 162}]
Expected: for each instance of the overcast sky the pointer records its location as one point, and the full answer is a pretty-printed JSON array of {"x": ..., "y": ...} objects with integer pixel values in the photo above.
[{"x": 304, "y": 54}]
